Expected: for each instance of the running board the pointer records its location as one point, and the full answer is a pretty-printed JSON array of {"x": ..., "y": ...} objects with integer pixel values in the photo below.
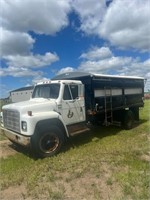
[{"x": 77, "y": 129}]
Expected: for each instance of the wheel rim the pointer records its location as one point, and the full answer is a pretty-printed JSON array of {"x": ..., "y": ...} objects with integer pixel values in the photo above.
[{"x": 49, "y": 143}]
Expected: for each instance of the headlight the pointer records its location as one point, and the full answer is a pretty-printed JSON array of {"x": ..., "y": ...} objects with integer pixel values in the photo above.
[{"x": 24, "y": 125}]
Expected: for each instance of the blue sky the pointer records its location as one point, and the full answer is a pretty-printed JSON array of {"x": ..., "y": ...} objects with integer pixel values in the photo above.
[{"x": 42, "y": 38}]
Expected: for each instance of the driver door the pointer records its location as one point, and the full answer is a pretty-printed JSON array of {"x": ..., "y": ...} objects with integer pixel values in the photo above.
[{"x": 73, "y": 106}]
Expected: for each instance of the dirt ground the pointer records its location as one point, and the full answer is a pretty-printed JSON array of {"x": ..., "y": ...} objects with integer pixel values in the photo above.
[
  {"x": 16, "y": 193},
  {"x": 90, "y": 183},
  {"x": 20, "y": 192},
  {"x": 6, "y": 149}
]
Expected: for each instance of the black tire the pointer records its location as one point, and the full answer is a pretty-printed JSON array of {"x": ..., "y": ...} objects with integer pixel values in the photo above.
[
  {"x": 128, "y": 120},
  {"x": 47, "y": 143}
]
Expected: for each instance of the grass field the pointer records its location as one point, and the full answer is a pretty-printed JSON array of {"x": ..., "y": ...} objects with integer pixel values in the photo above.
[{"x": 105, "y": 163}]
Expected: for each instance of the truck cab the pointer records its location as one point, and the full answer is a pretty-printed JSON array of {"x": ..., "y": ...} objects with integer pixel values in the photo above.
[{"x": 53, "y": 113}]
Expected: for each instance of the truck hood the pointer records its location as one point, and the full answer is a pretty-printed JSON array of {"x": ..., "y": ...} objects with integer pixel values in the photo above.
[{"x": 36, "y": 105}]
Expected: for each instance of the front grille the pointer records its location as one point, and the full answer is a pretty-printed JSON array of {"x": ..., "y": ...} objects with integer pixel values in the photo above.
[{"x": 11, "y": 120}]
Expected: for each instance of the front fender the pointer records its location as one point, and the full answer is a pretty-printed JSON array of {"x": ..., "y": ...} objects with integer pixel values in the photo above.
[
  {"x": 45, "y": 125},
  {"x": 38, "y": 120}
]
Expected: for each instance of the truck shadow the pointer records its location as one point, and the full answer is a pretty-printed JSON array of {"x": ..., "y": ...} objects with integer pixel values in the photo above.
[
  {"x": 96, "y": 133},
  {"x": 23, "y": 150}
]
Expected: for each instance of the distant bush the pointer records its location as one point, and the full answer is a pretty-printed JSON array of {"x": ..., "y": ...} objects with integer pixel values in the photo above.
[{"x": 147, "y": 96}]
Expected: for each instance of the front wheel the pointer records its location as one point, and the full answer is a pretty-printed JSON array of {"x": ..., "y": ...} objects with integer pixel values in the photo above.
[{"x": 47, "y": 143}]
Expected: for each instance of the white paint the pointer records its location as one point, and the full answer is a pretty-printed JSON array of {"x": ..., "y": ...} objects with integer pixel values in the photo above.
[
  {"x": 102, "y": 93},
  {"x": 116, "y": 92},
  {"x": 133, "y": 91}
]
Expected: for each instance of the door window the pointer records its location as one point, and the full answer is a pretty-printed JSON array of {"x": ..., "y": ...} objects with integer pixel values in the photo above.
[
  {"x": 74, "y": 91},
  {"x": 67, "y": 95},
  {"x": 70, "y": 92}
]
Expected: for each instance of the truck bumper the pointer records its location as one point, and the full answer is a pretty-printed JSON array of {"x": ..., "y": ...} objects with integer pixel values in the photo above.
[{"x": 15, "y": 137}]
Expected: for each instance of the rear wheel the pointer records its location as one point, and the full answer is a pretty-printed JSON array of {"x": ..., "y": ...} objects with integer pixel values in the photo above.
[
  {"x": 128, "y": 120},
  {"x": 47, "y": 143}
]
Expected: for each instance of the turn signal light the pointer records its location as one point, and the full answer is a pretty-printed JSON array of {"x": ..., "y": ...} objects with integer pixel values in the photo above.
[{"x": 30, "y": 113}]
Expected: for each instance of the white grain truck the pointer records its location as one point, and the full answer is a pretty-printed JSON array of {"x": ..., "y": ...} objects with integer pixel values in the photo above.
[{"x": 65, "y": 105}]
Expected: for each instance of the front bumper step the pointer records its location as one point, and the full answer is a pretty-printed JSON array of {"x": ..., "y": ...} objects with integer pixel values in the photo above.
[{"x": 15, "y": 137}]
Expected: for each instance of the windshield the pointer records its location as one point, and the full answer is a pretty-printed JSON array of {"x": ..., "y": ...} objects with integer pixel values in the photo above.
[{"x": 46, "y": 91}]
